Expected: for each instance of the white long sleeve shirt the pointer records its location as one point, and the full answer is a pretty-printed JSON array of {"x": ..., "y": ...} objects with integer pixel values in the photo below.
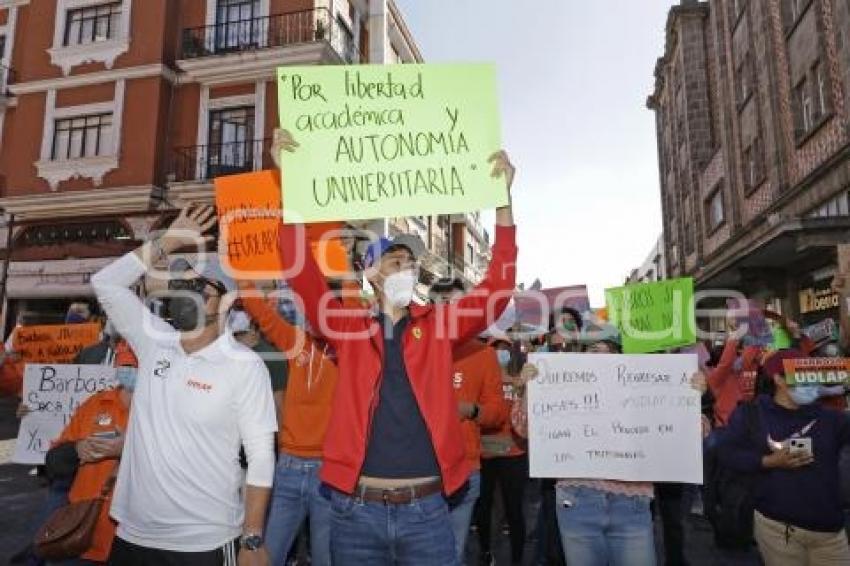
[{"x": 180, "y": 484}]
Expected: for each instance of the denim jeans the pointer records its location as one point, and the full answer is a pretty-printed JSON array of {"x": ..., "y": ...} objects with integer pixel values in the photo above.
[
  {"x": 296, "y": 496},
  {"x": 605, "y": 529},
  {"x": 378, "y": 534},
  {"x": 461, "y": 506}
]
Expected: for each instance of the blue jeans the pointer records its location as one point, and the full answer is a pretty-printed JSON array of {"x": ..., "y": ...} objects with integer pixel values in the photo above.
[
  {"x": 296, "y": 496},
  {"x": 378, "y": 534},
  {"x": 462, "y": 505},
  {"x": 605, "y": 529}
]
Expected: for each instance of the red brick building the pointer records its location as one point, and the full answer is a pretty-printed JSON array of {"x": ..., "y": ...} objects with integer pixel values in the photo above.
[
  {"x": 752, "y": 104},
  {"x": 113, "y": 110}
]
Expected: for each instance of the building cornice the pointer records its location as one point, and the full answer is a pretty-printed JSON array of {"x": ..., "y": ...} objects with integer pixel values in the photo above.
[
  {"x": 73, "y": 204},
  {"x": 88, "y": 79}
]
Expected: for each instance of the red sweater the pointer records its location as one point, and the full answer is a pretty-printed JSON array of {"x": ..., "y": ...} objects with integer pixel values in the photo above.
[
  {"x": 730, "y": 387},
  {"x": 427, "y": 348}
]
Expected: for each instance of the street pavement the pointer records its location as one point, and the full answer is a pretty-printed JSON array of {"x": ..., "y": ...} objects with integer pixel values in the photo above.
[{"x": 22, "y": 498}]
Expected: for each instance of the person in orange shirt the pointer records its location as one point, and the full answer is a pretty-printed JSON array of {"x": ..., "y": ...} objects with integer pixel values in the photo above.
[
  {"x": 477, "y": 382},
  {"x": 303, "y": 420},
  {"x": 91, "y": 446},
  {"x": 504, "y": 460}
]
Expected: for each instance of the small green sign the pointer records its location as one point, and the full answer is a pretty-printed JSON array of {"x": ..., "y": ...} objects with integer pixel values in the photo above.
[
  {"x": 653, "y": 317},
  {"x": 380, "y": 141}
]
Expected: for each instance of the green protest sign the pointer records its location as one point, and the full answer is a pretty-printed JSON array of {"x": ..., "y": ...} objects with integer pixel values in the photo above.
[
  {"x": 381, "y": 141},
  {"x": 653, "y": 316}
]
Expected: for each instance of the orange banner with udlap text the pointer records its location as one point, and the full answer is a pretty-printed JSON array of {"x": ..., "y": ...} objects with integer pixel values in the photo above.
[{"x": 249, "y": 212}]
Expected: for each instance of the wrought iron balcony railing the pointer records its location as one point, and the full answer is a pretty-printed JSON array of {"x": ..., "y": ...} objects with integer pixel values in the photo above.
[
  {"x": 280, "y": 30},
  {"x": 206, "y": 162}
]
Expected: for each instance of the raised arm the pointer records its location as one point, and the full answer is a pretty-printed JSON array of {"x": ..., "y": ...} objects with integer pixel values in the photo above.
[
  {"x": 473, "y": 313},
  {"x": 112, "y": 284},
  {"x": 718, "y": 376},
  {"x": 278, "y": 331}
]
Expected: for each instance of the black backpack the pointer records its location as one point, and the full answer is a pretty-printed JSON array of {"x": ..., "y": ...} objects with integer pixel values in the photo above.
[{"x": 729, "y": 495}]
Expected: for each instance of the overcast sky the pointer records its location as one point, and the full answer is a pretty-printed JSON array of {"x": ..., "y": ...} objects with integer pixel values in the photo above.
[{"x": 574, "y": 77}]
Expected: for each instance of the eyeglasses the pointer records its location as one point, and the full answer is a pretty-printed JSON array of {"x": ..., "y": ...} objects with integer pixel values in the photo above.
[{"x": 197, "y": 285}]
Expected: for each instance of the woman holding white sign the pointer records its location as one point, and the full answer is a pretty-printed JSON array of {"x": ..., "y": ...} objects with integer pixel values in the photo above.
[{"x": 602, "y": 522}]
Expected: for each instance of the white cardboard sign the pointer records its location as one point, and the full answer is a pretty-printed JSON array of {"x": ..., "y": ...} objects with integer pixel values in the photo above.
[
  {"x": 53, "y": 392},
  {"x": 618, "y": 417}
]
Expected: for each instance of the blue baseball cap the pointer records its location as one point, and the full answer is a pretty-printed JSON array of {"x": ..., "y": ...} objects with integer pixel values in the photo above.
[{"x": 379, "y": 247}]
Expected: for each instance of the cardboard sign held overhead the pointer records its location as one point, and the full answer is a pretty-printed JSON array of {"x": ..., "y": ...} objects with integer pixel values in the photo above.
[
  {"x": 379, "y": 141},
  {"x": 54, "y": 343},
  {"x": 653, "y": 317},
  {"x": 249, "y": 211}
]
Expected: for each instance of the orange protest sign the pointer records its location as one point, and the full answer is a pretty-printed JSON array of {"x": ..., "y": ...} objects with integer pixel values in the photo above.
[
  {"x": 54, "y": 343},
  {"x": 249, "y": 211}
]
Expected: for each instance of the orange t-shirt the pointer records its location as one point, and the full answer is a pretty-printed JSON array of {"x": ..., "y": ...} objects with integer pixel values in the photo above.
[
  {"x": 310, "y": 387},
  {"x": 102, "y": 412},
  {"x": 503, "y": 441},
  {"x": 477, "y": 379},
  {"x": 11, "y": 378}
]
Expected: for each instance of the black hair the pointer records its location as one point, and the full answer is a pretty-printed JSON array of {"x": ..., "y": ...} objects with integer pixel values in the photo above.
[
  {"x": 764, "y": 383},
  {"x": 447, "y": 285},
  {"x": 518, "y": 359},
  {"x": 444, "y": 286},
  {"x": 566, "y": 310}
]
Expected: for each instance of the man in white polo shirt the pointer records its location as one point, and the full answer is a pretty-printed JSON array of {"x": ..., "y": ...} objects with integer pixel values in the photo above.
[{"x": 182, "y": 497}]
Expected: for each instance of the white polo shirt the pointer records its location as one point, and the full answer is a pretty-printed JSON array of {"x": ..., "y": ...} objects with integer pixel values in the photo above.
[{"x": 180, "y": 484}]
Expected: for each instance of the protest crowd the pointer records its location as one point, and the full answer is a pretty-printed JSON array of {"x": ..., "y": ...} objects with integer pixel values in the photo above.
[{"x": 385, "y": 427}]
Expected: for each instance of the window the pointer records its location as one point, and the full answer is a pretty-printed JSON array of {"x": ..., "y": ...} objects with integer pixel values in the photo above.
[
  {"x": 344, "y": 40},
  {"x": 753, "y": 164},
  {"x": 2, "y": 46},
  {"x": 81, "y": 137},
  {"x": 803, "y": 108},
  {"x": 715, "y": 212},
  {"x": 237, "y": 24},
  {"x": 470, "y": 255},
  {"x": 820, "y": 82},
  {"x": 745, "y": 79},
  {"x": 92, "y": 24},
  {"x": 231, "y": 141}
]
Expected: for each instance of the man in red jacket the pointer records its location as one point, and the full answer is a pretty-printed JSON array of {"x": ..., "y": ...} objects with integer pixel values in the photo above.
[{"x": 394, "y": 448}]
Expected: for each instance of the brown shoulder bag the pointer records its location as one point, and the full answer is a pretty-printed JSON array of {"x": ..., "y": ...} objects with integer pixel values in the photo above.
[{"x": 69, "y": 531}]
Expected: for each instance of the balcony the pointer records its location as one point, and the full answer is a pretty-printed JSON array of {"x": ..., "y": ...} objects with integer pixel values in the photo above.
[
  {"x": 304, "y": 37},
  {"x": 193, "y": 168}
]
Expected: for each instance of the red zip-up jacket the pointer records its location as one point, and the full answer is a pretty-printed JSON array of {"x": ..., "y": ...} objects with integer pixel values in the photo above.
[{"x": 427, "y": 345}]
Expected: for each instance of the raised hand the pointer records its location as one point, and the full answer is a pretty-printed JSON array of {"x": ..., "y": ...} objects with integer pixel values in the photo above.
[
  {"x": 189, "y": 227},
  {"x": 502, "y": 167},
  {"x": 282, "y": 140}
]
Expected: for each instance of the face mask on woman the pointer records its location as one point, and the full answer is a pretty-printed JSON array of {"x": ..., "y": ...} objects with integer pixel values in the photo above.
[
  {"x": 398, "y": 288},
  {"x": 804, "y": 394}
]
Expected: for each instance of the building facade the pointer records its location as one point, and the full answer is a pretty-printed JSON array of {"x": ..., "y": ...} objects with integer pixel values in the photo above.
[
  {"x": 752, "y": 106},
  {"x": 113, "y": 112},
  {"x": 653, "y": 268}
]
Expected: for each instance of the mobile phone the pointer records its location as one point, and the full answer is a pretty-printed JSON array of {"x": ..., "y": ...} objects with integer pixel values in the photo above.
[
  {"x": 106, "y": 434},
  {"x": 801, "y": 446}
]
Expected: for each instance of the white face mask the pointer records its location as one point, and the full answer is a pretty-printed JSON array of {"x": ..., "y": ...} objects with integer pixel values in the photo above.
[{"x": 398, "y": 288}]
